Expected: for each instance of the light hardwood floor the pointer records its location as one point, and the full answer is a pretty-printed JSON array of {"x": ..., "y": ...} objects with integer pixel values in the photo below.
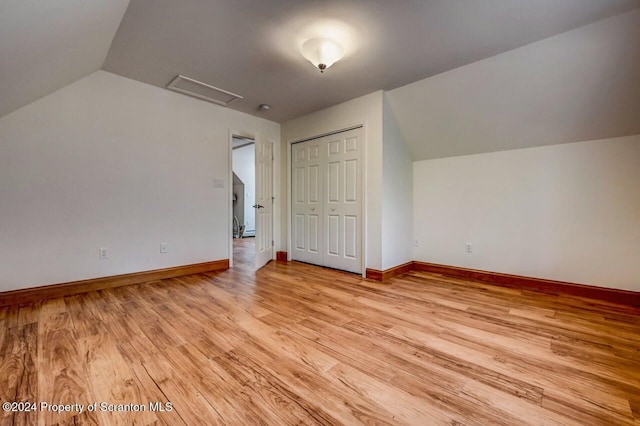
[
  {"x": 244, "y": 251},
  {"x": 297, "y": 344}
]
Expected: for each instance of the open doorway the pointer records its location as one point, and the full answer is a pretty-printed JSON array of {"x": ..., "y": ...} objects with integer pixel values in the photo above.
[{"x": 244, "y": 193}]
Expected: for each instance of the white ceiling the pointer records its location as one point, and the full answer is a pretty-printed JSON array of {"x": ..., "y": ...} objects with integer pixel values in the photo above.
[
  {"x": 577, "y": 86},
  {"x": 45, "y": 45},
  {"x": 249, "y": 47}
]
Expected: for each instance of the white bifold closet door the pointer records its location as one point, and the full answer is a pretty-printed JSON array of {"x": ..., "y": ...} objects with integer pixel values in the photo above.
[{"x": 326, "y": 201}]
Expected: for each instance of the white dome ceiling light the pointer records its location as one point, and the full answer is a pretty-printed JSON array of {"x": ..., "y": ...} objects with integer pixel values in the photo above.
[{"x": 322, "y": 52}]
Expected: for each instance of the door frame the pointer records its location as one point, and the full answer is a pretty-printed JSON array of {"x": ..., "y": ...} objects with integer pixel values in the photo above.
[
  {"x": 363, "y": 209},
  {"x": 251, "y": 135}
]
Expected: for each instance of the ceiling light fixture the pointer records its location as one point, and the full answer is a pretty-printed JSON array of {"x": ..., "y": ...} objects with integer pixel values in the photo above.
[
  {"x": 322, "y": 52},
  {"x": 264, "y": 107}
]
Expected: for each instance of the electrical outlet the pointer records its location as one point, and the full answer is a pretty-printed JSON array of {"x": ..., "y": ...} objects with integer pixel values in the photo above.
[
  {"x": 164, "y": 248},
  {"x": 103, "y": 253},
  {"x": 416, "y": 242},
  {"x": 468, "y": 248}
]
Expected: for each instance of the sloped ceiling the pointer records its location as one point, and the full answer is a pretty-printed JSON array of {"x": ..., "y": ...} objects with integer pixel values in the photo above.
[
  {"x": 577, "y": 86},
  {"x": 250, "y": 47},
  {"x": 45, "y": 45}
]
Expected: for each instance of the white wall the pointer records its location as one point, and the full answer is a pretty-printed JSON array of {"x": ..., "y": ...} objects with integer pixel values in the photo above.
[
  {"x": 568, "y": 212},
  {"x": 397, "y": 193},
  {"x": 111, "y": 162},
  {"x": 577, "y": 86},
  {"x": 244, "y": 165},
  {"x": 365, "y": 110}
]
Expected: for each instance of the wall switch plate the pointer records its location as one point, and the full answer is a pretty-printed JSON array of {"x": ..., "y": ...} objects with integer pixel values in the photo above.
[
  {"x": 468, "y": 248},
  {"x": 416, "y": 242},
  {"x": 103, "y": 253},
  {"x": 164, "y": 248},
  {"x": 218, "y": 182}
]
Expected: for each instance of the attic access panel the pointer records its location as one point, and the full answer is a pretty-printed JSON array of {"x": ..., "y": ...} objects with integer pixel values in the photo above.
[{"x": 200, "y": 90}]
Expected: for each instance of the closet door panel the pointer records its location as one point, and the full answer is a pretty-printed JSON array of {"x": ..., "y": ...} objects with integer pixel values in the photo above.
[
  {"x": 343, "y": 201},
  {"x": 306, "y": 204},
  {"x": 351, "y": 235}
]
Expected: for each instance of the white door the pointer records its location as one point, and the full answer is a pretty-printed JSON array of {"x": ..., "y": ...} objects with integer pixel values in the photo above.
[
  {"x": 264, "y": 202},
  {"x": 343, "y": 201},
  {"x": 306, "y": 202},
  {"x": 327, "y": 201}
]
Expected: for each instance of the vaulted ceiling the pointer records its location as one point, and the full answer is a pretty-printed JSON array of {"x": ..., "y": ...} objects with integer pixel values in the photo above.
[
  {"x": 46, "y": 45},
  {"x": 577, "y": 86},
  {"x": 250, "y": 47}
]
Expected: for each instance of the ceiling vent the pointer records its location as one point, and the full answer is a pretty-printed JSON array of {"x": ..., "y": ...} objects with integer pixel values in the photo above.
[{"x": 197, "y": 89}]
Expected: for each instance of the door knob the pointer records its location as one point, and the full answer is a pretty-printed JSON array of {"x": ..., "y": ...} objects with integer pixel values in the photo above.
[
  {"x": 313, "y": 209},
  {"x": 258, "y": 206},
  {"x": 333, "y": 209}
]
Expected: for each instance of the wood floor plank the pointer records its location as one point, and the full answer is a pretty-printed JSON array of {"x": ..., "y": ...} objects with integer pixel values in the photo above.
[
  {"x": 450, "y": 402},
  {"x": 11, "y": 316},
  {"x": 485, "y": 368},
  {"x": 227, "y": 394},
  {"x": 27, "y": 385},
  {"x": 362, "y": 358},
  {"x": 525, "y": 411},
  {"x": 189, "y": 404},
  {"x": 402, "y": 406},
  {"x": 111, "y": 381},
  {"x": 28, "y": 313},
  {"x": 292, "y": 343},
  {"x": 17, "y": 373},
  {"x": 154, "y": 393},
  {"x": 272, "y": 397},
  {"x": 62, "y": 371}
]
